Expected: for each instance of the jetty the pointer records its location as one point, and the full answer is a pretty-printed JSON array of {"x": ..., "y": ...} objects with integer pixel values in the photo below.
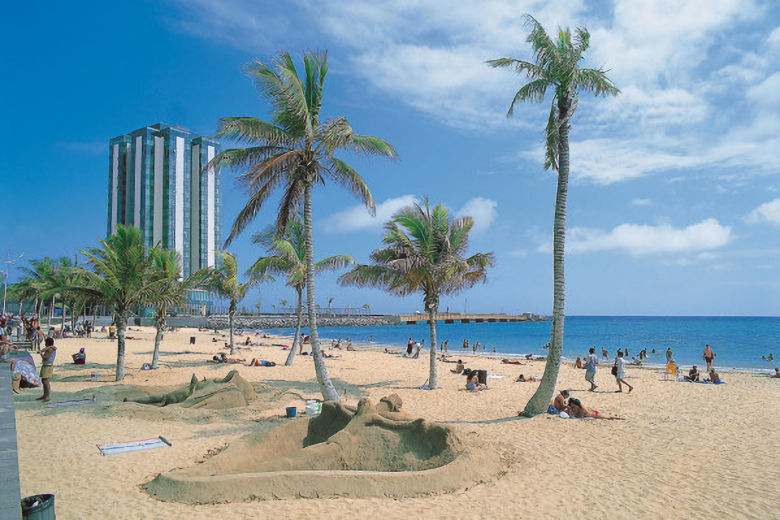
[{"x": 460, "y": 317}]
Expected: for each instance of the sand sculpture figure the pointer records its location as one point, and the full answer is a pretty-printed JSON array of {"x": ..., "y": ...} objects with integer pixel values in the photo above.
[
  {"x": 229, "y": 392},
  {"x": 362, "y": 451}
]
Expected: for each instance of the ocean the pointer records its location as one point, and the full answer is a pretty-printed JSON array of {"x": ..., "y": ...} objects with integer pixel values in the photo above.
[{"x": 739, "y": 342}]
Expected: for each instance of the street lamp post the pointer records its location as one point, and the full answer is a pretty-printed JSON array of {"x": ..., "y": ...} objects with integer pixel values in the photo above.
[{"x": 5, "y": 278}]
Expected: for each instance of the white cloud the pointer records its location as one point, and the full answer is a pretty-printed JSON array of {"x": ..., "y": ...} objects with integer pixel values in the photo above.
[
  {"x": 357, "y": 217},
  {"x": 641, "y": 202},
  {"x": 674, "y": 112},
  {"x": 482, "y": 210},
  {"x": 637, "y": 239},
  {"x": 768, "y": 213}
]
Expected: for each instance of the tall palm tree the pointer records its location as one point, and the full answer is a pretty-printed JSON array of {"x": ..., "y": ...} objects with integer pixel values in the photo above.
[
  {"x": 295, "y": 152},
  {"x": 223, "y": 280},
  {"x": 287, "y": 255},
  {"x": 424, "y": 252},
  {"x": 556, "y": 67},
  {"x": 122, "y": 277},
  {"x": 167, "y": 266}
]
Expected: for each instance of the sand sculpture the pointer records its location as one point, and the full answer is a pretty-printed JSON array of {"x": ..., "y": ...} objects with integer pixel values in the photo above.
[
  {"x": 366, "y": 451},
  {"x": 229, "y": 392}
]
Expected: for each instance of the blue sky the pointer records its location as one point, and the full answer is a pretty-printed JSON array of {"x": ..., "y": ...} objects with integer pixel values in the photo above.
[{"x": 674, "y": 201}]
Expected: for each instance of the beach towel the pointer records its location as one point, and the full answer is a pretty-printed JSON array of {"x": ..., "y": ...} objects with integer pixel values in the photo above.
[
  {"x": 25, "y": 367},
  {"x": 75, "y": 402},
  {"x": 553, "y": 410},
  {"x": 496, "y": 376},
  {"x": 702, "y": 382},
  {"x": 129, "y": 446}
]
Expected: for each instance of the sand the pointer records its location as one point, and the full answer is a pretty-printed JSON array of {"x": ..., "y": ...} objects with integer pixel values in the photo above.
[{"x": 683, "y": 450}]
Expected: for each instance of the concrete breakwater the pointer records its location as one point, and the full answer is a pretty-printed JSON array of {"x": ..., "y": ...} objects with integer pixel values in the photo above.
[{"x": 289, "y": 321}]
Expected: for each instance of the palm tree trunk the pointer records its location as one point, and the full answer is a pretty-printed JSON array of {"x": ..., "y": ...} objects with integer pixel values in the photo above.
[
  {"x": 20, "y": 306},
  {"x": 159, "y": 324},
  {"x": 546, "y": 389},
  {"x": 326, "y": 386},
  {"x": 51, "y": 313},
  {"x": 231, "y": 315},
  {"x": 62, "y": 320},
  {"x": 121, "y": 322},
  {"x": 433, "y": 380},
  {"x": 291, "y": 355}
]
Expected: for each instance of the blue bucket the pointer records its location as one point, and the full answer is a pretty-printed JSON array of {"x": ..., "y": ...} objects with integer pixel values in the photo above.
[{"x": 292, "y": 411}]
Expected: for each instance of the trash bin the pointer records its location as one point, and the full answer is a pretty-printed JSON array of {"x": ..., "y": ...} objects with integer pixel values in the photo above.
[
  {"x": 192, "y": 340},
  {"x": 292, "y": 411},
  {"x": 38, "y": 507}
]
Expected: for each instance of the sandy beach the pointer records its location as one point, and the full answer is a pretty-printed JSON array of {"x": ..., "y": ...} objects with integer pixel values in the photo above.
[{"x": 684, "y": 450}]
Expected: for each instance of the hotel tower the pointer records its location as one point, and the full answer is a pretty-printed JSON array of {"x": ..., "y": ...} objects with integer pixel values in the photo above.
[{"x": 158, "y": 183}]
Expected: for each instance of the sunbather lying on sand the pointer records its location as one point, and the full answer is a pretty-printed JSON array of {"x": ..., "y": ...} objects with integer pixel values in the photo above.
[
  {"x": 559, "y": 402},
  {"x": 511, "y": 362},
  {"x": 222, "y": 358},
  {"x": 575, "y": 409},
  {"x": 529, "y": 379},
  {"x": 261, "y": 363}
]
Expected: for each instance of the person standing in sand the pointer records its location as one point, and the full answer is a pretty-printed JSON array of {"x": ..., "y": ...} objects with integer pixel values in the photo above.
[
  {"x": 708, "y": 356},
  {"x": 47, "y": 368},
  {"x": 620, "y": 373},
  {"x": 590, "y": 368}
]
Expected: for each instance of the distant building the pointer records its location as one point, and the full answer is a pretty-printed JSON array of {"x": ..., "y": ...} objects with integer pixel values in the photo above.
[{"x": 158, "y": 184}]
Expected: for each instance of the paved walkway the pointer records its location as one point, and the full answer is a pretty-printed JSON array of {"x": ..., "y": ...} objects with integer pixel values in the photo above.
[{"x": 10, "y": 493}]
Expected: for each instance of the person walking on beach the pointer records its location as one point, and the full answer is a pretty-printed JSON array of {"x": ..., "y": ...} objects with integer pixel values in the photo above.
[
  {"x": 590, "y": 369},
  {"x": 669, "y": 356},
  {"x": 604, "y": 353},
  {"x": 620, "y": 373},
  {"x": 47, "y": 368},
  {"x": 708, "y": 356}
]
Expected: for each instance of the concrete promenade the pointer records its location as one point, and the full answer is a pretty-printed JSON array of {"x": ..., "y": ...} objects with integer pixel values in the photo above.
[{"x": 10, "y": 494}]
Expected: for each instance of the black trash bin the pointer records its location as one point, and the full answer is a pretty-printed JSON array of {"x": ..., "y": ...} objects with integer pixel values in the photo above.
[
  {"x": 192, "y": 340},
  {"x": 38, "y": 507}
]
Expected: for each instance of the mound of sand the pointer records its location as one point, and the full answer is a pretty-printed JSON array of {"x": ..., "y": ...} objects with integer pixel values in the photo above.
[
  {"x": 231, "y": 391},
  {"x": 320, "y": 457}
]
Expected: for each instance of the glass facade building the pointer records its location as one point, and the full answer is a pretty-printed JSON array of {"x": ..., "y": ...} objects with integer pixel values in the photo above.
[{"x": 158, "y": 182}]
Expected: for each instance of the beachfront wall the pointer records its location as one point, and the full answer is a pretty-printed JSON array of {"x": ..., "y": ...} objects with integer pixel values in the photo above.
[{"x": 158, "y": 184}]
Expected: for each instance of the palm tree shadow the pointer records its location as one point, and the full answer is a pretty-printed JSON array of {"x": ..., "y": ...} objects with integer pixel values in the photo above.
[{"x": 489, "y": 421}]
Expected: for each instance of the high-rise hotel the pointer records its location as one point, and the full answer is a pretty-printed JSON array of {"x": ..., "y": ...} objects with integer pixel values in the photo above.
[{"x": 158, "y": 183}]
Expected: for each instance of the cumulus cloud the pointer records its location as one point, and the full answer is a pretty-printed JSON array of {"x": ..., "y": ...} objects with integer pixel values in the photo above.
[
  {"x": 357, "y": 217},
  {"x": 635, "y": 239},
  {"x": 482, "y": 210},
  {"x": 766, "y": 213},
  {"x": 641, "y": 202}
]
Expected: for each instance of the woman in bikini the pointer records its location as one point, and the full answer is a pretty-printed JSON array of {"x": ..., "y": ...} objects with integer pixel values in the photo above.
[{"x": 575, "y": 409}]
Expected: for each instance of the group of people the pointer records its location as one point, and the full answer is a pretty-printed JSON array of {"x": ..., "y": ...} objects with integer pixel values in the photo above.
[{"x": 572, "y": 407}]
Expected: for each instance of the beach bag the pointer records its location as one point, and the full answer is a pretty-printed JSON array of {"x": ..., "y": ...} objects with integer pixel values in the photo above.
[{"x": 614, "y": 369}]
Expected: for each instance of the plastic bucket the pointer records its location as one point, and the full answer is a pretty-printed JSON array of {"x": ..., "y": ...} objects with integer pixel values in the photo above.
[
  {"x": 38, "y": 507},
  {"x": 312, "y": 407},
  {"x": 292, "y": 411}
]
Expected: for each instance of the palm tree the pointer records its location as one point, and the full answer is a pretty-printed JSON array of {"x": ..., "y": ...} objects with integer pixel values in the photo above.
[
  {"x": 295, "y": 152},
  {"x": 223, "y": 280},
  {"x": 287, "y": 255},
  {"x": 424, "y": 252},
  {"x": 556, "y": 66},
  {"x": 167, "y": 266},
  {"x": 38, "y": 276},
  {"x": 122, "y": 277}
]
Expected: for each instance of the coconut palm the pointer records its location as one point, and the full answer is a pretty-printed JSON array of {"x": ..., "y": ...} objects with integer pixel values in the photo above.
[
  {"x": 424, "y": 252},
  {"x": 223, "y": 280},
  {"x": 294, "y": 153},
  {"x": 38, "y": 276},
  {"x": 556, "y": 67},
  {"x": 167, "y": 266},
  {"x": 121, "y": 276},
  {"x": 287, "y": 256}
]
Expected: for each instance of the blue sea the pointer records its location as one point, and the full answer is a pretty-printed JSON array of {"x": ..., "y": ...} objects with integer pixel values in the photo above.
[{"x": 739, "y": 342}]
